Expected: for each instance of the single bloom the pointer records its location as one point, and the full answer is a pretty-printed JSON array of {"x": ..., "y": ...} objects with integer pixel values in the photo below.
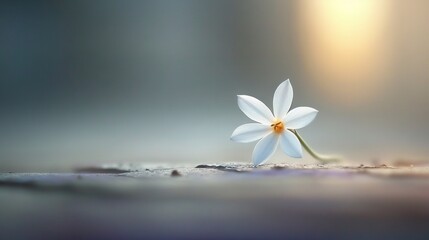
[{"x": 273, "y": 129}]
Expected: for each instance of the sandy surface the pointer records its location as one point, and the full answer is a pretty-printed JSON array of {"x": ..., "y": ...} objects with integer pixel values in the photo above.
[{"x": 217, "y": 201}]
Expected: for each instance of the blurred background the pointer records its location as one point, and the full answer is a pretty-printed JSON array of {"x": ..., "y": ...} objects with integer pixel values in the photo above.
[{"x": 90, "y": 82}]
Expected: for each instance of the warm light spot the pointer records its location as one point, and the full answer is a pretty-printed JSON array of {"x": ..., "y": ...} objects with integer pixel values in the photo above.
[
  {"x": 344, "y": 47},
  {"x": 278, "y": 127}
]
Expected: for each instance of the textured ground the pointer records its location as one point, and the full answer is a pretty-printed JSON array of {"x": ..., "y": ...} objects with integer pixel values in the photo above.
[{"x": 217, "y": 201}]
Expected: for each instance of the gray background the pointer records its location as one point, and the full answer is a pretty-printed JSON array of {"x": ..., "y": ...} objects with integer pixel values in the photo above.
[{"x": 89, "y": 82}]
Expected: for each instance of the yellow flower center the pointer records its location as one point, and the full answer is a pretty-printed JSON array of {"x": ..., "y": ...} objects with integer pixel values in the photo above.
[{"x": 278, "y": 127}]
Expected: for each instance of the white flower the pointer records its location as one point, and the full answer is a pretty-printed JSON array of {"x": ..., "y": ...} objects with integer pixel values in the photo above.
[{"x": 273, "y": 129}]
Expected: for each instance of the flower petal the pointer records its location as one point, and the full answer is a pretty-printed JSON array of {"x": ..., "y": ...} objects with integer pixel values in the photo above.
[
  {"x": 290, "y": 144},
  {"x": 250, "y": 132},
  {"x": 300, "y": 117},
  {"x": 282, "y": 99},
  {"x": 265, "y": 148},
  {"x": 255, "y": 109}
]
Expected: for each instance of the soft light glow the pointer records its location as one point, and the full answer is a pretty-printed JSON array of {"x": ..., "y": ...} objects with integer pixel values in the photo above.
[{"x": 343, "y": 46}]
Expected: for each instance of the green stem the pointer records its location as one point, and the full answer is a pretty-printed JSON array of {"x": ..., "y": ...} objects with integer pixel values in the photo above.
[{"x": 321, "y": 158}]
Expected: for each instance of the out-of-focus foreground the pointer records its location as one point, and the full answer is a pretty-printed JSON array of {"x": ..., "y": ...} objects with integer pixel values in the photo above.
[{"x": 217, "y": 202}]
